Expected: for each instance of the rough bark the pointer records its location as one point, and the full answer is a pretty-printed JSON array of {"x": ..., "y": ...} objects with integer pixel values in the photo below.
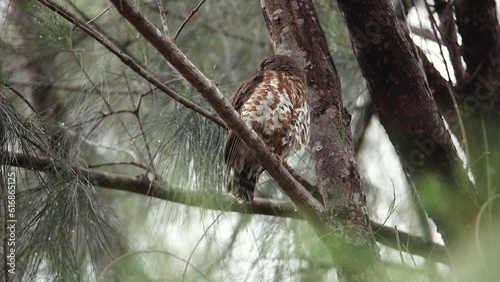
[
  {"x": 441, "y": 89},
  {"x": 295, "y": 30},
  {"x": 445, "y": 97},
  {"x": 478, "y": 26},
  {"x": 410, "y": 116}
]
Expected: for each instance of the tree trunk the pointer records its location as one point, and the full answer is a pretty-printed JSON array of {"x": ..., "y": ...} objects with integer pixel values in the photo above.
[
  {"x": 410, "y": 116},
  {"x": 295, "y": 31},
  {"x": 479, "y": 94}
]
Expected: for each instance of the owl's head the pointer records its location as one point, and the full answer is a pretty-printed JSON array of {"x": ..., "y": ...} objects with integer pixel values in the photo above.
[{"x": 282, "y": 63}]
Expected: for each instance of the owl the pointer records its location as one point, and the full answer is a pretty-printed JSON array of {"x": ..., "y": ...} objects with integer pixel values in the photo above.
[{"x": 274, "y": 104}]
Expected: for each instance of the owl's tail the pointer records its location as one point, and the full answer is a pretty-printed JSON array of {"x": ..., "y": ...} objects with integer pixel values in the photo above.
[{"x": 244, "y": 183}]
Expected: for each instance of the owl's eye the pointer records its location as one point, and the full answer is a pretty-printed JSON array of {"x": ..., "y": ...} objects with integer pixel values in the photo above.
[
  {"x": 263, "y": 66},
  {"x": 267, "y": 63}
]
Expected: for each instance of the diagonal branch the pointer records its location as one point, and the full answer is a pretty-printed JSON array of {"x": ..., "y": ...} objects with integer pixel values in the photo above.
[
  {"x": 127, "y": 60},
  {"x": 259, "y": 206},
  {"x": 446, "y": 102},
  {"x": 442, "y": 92},
  {"x": 307, "y": 204},
  {"x": 478, "y": 26}
]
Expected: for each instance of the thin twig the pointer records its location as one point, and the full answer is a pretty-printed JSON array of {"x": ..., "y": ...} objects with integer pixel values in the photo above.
[
  {"x": 196, "y": 246},
  {"x": 135, "y": 112},
  {"x": 92, "y": 166},
  {"x": 20, "y": 96},
  {"x": 100, "y": 14},
  {"x": 86, "y": 18},
  {"x": 129, "y": 152},
  {"x": 489, "y": 189},
  {"x": 398, "y": 242},
  {"x": 220, "y": 29},
  {"x": 82, "y": 69},
  {"x": 187, "y": 19},
  {"x": 163, "y": 17}
]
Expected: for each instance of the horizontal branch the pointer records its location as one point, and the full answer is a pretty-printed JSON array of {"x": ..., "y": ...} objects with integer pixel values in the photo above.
[
  {"x": 259, "y": 206},
  {"x": 410, "y": 243},
  {"x": 129, "y": 61}
]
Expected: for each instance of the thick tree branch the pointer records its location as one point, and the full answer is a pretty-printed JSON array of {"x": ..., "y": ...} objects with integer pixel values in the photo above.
[
  {"x": 259, "y": 206},
  {"x": 410, "y": 116},
  {"x": 446, "y": 100},
  {"x": 441, "y": 91},
  {"x": 307, "y": 204},
  {"x": 478, "y": 25},
  {"x": 127, "y": 60},
  {"x": 480, "y": 92},
  {"x": 439, "y": 86}
]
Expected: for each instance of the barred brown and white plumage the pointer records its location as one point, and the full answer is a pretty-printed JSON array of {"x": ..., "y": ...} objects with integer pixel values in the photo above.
[{"x": 274, "y": 104}]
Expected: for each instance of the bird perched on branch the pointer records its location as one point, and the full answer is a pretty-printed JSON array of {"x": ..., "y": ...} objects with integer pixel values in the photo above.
[{"x": 274, "y": 104}]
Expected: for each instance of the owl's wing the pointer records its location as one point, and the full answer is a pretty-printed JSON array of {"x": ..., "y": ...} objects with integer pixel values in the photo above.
[
  {"x": 244, "y": 91},
  {"x": 233, "y": 142},
  {"x": 237, "y": 100}
]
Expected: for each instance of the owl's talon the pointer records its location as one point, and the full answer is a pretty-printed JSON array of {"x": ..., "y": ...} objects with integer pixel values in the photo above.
[{"x": 280, "y": 159}]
